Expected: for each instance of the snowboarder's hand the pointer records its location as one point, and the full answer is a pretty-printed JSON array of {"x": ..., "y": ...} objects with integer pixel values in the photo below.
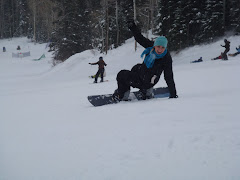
[
  {"x": 173, "y": 96},
  {"x": 90, "y": 63}
]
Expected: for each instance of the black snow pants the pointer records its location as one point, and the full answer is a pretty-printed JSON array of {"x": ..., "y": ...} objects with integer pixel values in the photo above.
[
  {"x": 225, "y": 54},
  {"x": 100, "y": 72},
  {"x": 127, "y": 79}
]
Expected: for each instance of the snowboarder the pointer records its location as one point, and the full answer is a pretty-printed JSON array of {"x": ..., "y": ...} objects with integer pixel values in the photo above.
[
  {"x": 144, "y": 76},
  {"x": 199, "y": 60},
  {"x": 218, "y": 57},
  {"x": 101, "y": 69},
  {"x": 227, "y": 48},
  {"x": 18, "y": 48},
  {"x": 4, "y": 49},
  {"x": 236, "y": 53}
]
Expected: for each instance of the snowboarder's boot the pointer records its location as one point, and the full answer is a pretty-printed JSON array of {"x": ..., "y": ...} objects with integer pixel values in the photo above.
[
  {"x": 116, "y": 97},
  {"x": 224, "y": 56},
  {"x": 126, "y": 95},
  {"x": 119, "y": 96},
  {"x": 149, "y": 93},
  {"x": 146, "y": 93}
]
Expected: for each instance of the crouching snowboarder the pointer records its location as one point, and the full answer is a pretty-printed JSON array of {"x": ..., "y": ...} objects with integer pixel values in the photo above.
[{"x": 144, "y": 76}]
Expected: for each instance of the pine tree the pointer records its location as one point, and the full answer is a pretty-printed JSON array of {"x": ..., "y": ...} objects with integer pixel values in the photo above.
[
  {"x": 233, "y": 15},
  {"x": 192, "y": 12},
  {"x": 23, "y": 18},
  {"x": 213, "y": 19},
  {"x": 73, "y": 31}
]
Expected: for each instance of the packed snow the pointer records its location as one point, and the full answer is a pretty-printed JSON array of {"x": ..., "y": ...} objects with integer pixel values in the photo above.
[{"x": 49, "y": 130}]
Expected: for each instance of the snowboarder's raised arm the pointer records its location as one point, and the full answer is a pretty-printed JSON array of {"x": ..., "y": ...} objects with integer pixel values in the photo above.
[
  {"x": 138, "y": 36},
  {"x": 93, "y": 63}
]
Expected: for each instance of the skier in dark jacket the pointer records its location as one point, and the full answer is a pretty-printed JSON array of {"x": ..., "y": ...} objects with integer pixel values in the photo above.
[
  {"x": 101, "y": 69},
  {"x": 144, "y": 76},
  {"x": 227, "y": 48}
]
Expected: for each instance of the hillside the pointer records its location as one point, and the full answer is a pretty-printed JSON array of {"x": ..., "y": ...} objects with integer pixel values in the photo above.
[{"x": 49, "y": 130}]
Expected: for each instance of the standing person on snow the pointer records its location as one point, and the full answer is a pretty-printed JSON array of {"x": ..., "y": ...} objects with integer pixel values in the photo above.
[
  {"x": 144, "y": 76},
  {"x": 227, "y": 48},
  {"x": 101, "y": 69}
]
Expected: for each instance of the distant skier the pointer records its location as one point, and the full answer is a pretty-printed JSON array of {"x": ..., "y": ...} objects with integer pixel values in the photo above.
[
  {"x": 101, "y": 69},
  {"x": 199, "y": 60},
  {"x": 4, "y": 49},
  {"x": 18, "y": 48},
  {"x": 236, "y": 53},
  {"x": 144, "y": 76},
  {"x": 227, "y": 48}
]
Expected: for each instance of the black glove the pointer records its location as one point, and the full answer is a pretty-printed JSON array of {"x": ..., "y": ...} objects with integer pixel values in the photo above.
[
  {"x": 173, "y": 96},
  {"x": 90, "y": 63}
]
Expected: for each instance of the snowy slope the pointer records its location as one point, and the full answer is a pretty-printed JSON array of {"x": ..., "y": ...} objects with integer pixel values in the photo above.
[{"x": 48, "y": 129}]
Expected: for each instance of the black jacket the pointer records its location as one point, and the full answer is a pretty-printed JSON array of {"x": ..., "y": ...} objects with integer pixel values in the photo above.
[
  {"x": 227, "y": 45},
  {"x": 160, "y": 65},
  {"x": 100, "y": 64}
]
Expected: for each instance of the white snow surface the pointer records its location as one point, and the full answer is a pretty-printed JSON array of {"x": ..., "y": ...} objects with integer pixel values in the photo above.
[{"x": 49, "y": 130}]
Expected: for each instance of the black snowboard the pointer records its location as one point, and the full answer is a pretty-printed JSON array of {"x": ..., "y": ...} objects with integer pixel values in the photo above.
[{"x": 100, "y": 100}]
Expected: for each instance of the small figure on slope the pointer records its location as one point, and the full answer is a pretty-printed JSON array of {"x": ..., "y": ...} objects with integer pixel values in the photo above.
[
  {"x": 227, "y": 48},
  {"x": 236, "y": 53},
  {"x": 196, "y": 61},
  {"x": 101, "y": 69},
  {"x": 218, "y": 57},
  {"x": 145, "y": 75}
]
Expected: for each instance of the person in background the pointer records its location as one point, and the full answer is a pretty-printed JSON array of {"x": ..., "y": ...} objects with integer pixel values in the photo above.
[
  {"x": 101, "y": 69},
  {"x": 144, "y": 76},
  {"x": 218, "y": 57},
  {"x": 236, "y": 53},
  {"x": 199, "y": 60},
  {"x": 227, "y": 48}
]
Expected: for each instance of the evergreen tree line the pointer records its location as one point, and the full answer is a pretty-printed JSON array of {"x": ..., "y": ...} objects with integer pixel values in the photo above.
[{"x": 73, "y": 26}]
